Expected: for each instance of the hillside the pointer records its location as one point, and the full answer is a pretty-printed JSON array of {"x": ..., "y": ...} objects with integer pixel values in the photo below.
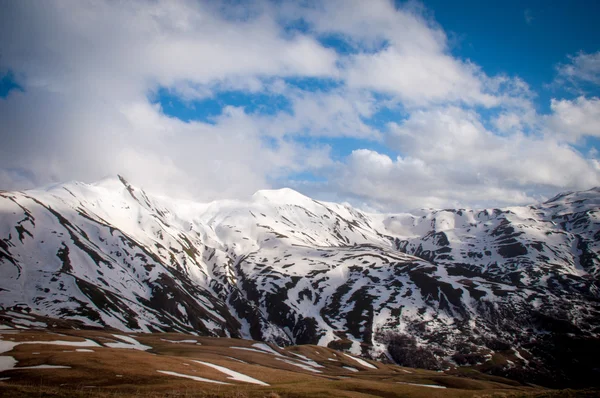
[
  {"x": 511, "y": 291},
  {"x": 102, "y": 363}
]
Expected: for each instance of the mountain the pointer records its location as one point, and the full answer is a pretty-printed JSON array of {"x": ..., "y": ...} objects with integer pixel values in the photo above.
[{"x": 514, "y": 291}]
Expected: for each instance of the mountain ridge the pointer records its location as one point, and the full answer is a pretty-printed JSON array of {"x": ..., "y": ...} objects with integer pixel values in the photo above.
[{"x": 285, "y": 268}]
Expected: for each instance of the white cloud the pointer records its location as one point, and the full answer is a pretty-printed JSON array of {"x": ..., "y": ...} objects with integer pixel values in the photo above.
[
  {"x": 400, "y": 52},
  {"x": 573, "y": 119},
  {"x": 451, "y": 159},
  {"x": 90, "y": 69},
  {"x": 419, "y": 79},
  {"x": 582, "y": 69},
  {"x": 339, "y": 112}
]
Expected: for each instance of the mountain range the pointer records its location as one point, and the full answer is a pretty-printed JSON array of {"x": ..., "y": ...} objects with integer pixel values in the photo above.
[{"x": 513, "y": 291}]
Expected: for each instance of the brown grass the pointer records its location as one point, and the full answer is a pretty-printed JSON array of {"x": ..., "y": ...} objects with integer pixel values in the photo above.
[{"x": 109, "y": 372}]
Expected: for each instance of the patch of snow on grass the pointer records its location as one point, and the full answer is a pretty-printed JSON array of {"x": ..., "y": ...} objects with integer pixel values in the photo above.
[
  {"x": 264, "y": 347},
  {"x": 20, "y": 315},
  {"x": 350, "y": 369},
  {"x": 421, "y": 385},
  {"x": 308, "y": 361},
  {"x": 362, "y": 362},
  {"x": 233, "y": 375},
  {"x": 7, "y": 363},
  {"x": 202, "y": 379},
  {"x": 249, "y": 349},
  {"x": 85, "y": 343},
  {"x": 181, "y": 341},
  {"x": 83, "y": 350},
  {"x": 300, "y": 356},
  {"x": 518, "y": 355},
  {"x": 131, "y": 343},
  {"x": 30, "y": 323},
  {"x": 6, "y": 346},
  {"x": 300, "y": 365},
  {"x": 44, "y": 367},
  {"x": 238, "y": 360}
]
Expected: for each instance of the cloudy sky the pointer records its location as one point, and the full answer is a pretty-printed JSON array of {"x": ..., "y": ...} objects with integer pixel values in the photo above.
[{"x": 388, "y": 106}]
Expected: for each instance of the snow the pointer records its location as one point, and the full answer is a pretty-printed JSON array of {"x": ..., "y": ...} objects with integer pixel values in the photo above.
[
  {"x": 308, "y": 361},
  {"x": 421, "y": 385},
  {"x": 233, "y": 375},
  {"x": 181, "y": 341},
  {"x": 131, "y": 343},
  {"x": 6, "y": 346},
  {"x": 518, "y": 355},
  {"x": 83, "y": 350},
  {"x": 362, "y": 362},
  {"x": 25, "y": 322},
  {"x": 7, "y": 363},
  {"x": 300, "y": 365},
  {"x": 300, "y": 356},
  {"x": 264, "y": 347},
  {"x": 196, "y": 378},
  {"x": 20, "y": 315},
  {"x": 237, "y": 360},
  {"x": 44, "y": 367},
  {"x": 350, "y": 369},
  {"x": 251, "y": 349},
  {"x": 85, "y": 343}
]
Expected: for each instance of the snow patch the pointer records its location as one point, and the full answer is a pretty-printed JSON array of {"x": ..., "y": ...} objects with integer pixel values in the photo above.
[
  {"x": 181, "y": 341},
  {"x": 196, "y": 378},
  {"x": 362, "y": 362},
  {"x": 300, "y": 365},
  {"x": 131, "y": 343},
  {"x": 7, "y": 363},
  {"x": 421, "y": 385},
  {"x": 233, "y": 375},
  {"x": 249, "y": 349},
  {"x": 264, "y": 347}
]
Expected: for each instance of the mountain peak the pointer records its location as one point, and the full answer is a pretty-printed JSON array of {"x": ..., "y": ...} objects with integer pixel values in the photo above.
[
  {"x": 282, "y": 196},
  {"x": 111, "y": 183}
]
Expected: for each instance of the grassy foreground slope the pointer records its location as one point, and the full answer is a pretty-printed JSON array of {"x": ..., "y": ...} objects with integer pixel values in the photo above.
[{"x": 94, "y": 363}]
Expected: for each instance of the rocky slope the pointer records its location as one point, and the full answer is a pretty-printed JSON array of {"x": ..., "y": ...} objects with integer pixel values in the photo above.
[{"x": 469, "y": 285}]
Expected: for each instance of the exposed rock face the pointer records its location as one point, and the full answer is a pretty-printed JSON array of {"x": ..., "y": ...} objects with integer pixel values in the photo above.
[{"x": 285, "y": 268}]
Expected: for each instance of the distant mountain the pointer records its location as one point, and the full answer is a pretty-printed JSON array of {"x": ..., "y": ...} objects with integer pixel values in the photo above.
[{"x": 514, "y": 291}]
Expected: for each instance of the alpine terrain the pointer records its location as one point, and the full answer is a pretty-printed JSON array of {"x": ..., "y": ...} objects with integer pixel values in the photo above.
[{"x": 512, "y": 291}]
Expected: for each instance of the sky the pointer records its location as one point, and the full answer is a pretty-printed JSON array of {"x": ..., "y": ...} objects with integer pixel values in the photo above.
[{"x": 388, "y": 106}]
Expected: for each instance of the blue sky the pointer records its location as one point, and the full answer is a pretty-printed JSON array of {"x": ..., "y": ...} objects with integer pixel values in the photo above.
[
  {"x": 388, "y": 106},
  {"x": 523, "y": 38}
]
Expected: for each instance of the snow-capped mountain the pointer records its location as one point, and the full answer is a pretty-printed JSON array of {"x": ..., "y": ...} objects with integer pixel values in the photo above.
[{"x": 285, "y": 268}]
